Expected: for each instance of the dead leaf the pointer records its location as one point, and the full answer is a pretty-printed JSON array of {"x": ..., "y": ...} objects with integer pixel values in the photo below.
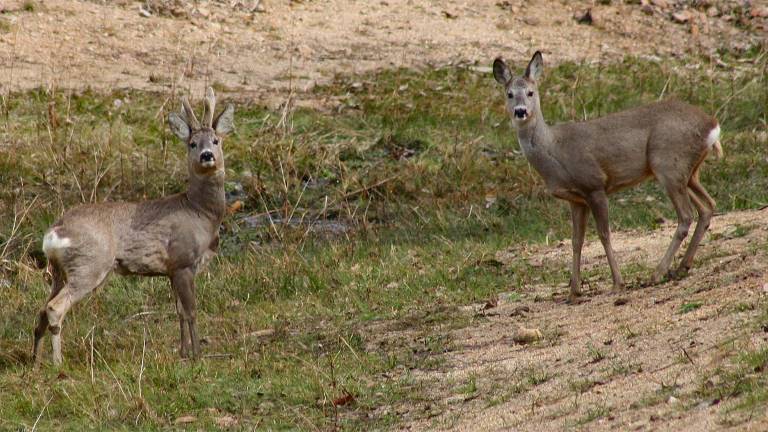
[
  {"x": 490, "y": 304},
  {"x": 520, "y": 311},
  {"x": 226, "y": 421},
  {"x": 185, "y": 419},
  {"x": 344, "y": 399},
  {"x": 235, "y": 207},
  {"x": 262, "y": 333}
]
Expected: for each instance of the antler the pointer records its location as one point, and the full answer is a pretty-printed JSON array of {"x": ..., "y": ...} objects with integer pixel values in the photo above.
[
  {"x": 189, "y": 114},
  {"x": 210, "y": 105}
]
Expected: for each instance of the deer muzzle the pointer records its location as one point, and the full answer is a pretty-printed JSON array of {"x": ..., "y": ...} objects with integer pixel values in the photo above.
[
  {"x": 520, "y": 113},
  {"x": 207, "y": 159}
]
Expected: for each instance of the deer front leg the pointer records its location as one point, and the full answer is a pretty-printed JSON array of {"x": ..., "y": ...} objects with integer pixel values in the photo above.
[
  {"x": 598, "y": 203},
  {"x": 184, "y": 286},
  {"x": 184, "y": 346},
  {"x": 579, "y": 219}
]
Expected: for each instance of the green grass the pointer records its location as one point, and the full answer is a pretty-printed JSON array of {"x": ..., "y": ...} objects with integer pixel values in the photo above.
[
  {"x": 427, "y": 183},
  {"x": 689, "y": 307},
  {"x": 740, "y": 387},
  {"x": 594, "y": 413}
]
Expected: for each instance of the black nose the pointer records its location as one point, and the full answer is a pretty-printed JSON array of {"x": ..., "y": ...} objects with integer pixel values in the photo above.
[
  {"x": 207, "y": 156},
  {"x": 520, "y": 112}
]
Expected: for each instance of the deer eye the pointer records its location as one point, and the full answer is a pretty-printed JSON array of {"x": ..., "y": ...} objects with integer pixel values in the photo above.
[
  {"x": 530, "y": 94},
  {"x": 192, "y": 144},
  {"x": 215, "y": 141},
  {"x": 510, "y": 95}
]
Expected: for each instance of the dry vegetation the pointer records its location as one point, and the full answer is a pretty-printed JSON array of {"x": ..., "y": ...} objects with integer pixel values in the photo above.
[{"x": 388, "y": 238}]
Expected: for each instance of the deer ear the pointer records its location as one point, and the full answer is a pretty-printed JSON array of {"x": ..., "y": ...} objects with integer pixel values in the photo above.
[
  {"x": 501, "y": 71},
  {"x": 535, "y": 67},
  {"x": 179, "y": 126},
  {"x": 225, "y": 122}
]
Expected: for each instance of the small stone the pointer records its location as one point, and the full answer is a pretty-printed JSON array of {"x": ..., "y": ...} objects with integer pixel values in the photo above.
[
  {"x": 143, "y": 12},
  {"x": 584, "y": 17},
  {"x": 681, "y": 17},
  {"x": 531, "y": 21},
  {"x": 647, "y": 9},
  {"x": 759, "y": 12},
  {"x": 525, "y": 336}
]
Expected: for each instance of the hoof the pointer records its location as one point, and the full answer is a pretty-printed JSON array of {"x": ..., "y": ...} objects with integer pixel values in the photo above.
[
  {"x": 674, "y": 275},
  {"x": 574, "y": 299}
]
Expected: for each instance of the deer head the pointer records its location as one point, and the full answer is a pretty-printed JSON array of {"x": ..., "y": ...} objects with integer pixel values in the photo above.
[
  {"x": 522, "y": 93},
  {"x": 205, "y": 156}
]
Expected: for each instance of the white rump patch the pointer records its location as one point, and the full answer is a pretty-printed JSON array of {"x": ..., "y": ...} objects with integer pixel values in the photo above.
[
  {"x": 713, "y": 137},
  {"x": 53, "y": 244}
]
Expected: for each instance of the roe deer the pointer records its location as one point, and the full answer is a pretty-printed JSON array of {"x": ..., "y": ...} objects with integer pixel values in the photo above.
[
  {"x": 173, "y": 236},
  {"x": 584, "y": 162}
]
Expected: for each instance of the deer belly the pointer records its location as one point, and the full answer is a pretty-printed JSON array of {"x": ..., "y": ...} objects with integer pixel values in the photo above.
[{"x": 147, "y": 264}]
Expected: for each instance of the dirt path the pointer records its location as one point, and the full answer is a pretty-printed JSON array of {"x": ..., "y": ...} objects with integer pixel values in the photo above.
[
  {"x": 75, "y": 44},
  {"x": 618, "y": 363}
]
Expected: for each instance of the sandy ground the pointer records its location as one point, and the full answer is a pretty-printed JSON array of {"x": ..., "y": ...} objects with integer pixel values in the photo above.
[
  {"x": 644, "y": 344},
  {"x": 294, "y": 45}
]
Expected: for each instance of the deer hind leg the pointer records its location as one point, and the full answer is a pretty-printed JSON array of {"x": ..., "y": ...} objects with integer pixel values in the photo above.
[
  {"x": 79, "y": 283},
  {"x": 678, "y": 194},
  {"x": 598, "y": 203},
  {"x": 705, "y": 206},
  {"x": 579, "y": 213},
  {"x": 42, "y": 318}
]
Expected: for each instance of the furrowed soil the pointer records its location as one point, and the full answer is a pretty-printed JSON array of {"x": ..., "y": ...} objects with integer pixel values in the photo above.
[{"x": 633, "y": 360}]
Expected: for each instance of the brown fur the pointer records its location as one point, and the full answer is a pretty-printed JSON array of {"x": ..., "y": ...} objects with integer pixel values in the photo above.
[
  {"x": 173, "y": 236},
  {"x": 584, "y": 162}
]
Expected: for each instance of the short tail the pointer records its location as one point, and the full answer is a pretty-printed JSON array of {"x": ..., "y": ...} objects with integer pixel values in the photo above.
[
  {"x": 713, "y": 142},
  {"x": 718, "y": 150}
]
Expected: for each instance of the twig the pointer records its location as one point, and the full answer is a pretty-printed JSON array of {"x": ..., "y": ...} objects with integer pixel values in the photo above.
[
  {"x": 364, "y": 189},
  {"x": 120, "y": 386},
  {"x": 222, "y": 355},
  {"x": 34, "y": 426},
  {"x": 17, "y": 221},
  {"x": 688, "y": 356},
  {"x": 140, "y": 314},
  {"x": 143, "y": 351}
]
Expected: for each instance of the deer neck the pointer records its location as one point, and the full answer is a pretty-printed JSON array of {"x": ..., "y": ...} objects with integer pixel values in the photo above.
[
  {"x": 206, "y": 194},
  {"x": 535, "y": 137},
  {"x": 537, "y": 142}
]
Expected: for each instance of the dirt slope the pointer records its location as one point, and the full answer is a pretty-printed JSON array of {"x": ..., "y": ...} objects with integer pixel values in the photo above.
[
  {"x": 75, "y": 44},
  {"x": 601, "y": 359}
]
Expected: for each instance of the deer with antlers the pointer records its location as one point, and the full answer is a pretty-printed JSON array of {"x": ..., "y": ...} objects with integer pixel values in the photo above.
[{"x": 173, "y": 236}]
